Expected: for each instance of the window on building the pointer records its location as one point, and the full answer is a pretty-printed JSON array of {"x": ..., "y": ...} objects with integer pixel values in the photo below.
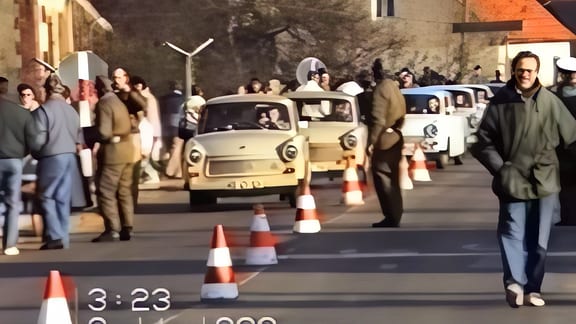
[{"x": 383, "y": 8}]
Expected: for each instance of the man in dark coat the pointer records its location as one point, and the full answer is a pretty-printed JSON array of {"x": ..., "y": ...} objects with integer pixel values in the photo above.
[
  {"x": 517, "y": 138},
  {"x": 386, "y": 143},
  {"x": 171, "y": 111}
]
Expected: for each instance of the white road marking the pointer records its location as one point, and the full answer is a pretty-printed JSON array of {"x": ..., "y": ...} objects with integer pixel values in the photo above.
[
  {"x": 402, "y": 255},
  {"x": 254, "y": 274}
]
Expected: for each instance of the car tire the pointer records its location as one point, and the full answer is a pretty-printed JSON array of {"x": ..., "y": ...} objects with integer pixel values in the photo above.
[
  {"x": 442, "y": 161},
  {"x": 292, "y": 200}
]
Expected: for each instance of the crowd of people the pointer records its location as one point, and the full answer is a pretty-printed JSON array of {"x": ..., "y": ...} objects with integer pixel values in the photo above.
[
  {"x": 526, "y": 140},
  {"x": 134, "y": 141}
]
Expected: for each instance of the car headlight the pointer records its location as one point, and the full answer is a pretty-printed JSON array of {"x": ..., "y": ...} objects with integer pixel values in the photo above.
[
  {"x": 195, "y": 156},
  {"x": 350, "y": 142},
  {"x": 289, "y": 153}
]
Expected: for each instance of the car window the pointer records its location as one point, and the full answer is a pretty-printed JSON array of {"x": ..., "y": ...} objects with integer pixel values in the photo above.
[
  {"x": 324, "y": 110},
  {"x": 243, "y": 116},
  {"x": 422, "y": 104},
  {"x": 462, "y": 99},
  {"x": 481, "y": 96}
]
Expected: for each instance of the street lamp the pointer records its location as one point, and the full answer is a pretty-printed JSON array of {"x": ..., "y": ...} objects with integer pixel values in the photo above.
[{"x": 189, "y": 56}]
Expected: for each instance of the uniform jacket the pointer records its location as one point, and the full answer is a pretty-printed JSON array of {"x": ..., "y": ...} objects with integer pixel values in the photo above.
[
  {"x": 517, "y": 142},
  {"x": 113, "y": 120},
  {"x": 388, "y": 111}
]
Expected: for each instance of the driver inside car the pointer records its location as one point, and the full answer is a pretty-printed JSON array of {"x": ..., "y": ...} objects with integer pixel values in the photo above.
[{"x": 271, "y": 119}]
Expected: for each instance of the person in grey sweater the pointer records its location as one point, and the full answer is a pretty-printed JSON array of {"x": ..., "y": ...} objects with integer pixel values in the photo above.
[
  {"x": 16, "y": 134},
  {"x": 58, "y": 139}
]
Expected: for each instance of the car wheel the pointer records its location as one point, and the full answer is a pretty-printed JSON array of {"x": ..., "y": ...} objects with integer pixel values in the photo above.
[
  {"x": 442, "y": 161},
  {"x": 292, "y": 200}
]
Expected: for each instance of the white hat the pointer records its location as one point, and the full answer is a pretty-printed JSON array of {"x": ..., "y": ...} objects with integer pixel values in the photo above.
[
  {"x": 194, "y": 103},
  {"x": 567, "y": 64}
]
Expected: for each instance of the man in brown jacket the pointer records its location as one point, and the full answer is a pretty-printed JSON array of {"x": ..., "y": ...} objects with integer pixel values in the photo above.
[
  {"x": 386, "y": 142},
  {"x": 115, "y": 164}
]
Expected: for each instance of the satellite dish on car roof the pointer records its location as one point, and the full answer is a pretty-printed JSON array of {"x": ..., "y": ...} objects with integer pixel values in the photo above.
[{"x": 306, "y": 65}]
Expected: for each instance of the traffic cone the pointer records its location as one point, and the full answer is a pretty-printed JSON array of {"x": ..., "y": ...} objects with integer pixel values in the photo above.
[
  {"x": 351, "y": 189},
  {"x": 306, "y": 217},
  {"x": 54, "y": 308},
  {"x": 262, "y": 242},
  {"x": 405, "y": 181},
  {"x": 417, "y": 169},
  {"x": 219, "y": 282}
]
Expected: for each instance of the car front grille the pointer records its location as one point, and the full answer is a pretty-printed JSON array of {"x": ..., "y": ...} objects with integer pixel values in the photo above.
[{"x": 245, "y": 167}]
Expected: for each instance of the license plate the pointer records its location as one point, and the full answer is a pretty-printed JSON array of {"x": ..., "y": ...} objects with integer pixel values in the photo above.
[{"x": 248, "y": 184}]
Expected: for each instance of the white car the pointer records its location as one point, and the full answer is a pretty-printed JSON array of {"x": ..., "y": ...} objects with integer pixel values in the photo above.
[
  {"x": 464, "y": 104},
  {"x": 432, "y": 124},
  {"x": 246, "y": 145},
  {"x": 331, "y": 121}
]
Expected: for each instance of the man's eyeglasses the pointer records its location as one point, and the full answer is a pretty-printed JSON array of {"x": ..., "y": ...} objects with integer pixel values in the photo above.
[{"x": 521, "y": 71}]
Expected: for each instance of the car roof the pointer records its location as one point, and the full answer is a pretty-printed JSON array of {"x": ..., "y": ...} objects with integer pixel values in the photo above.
[
  {"x": 319, "y": 95},
  {"x": 254, "y": 97},
  {"x": 471, "y": 86},
  {"x": 425, "y": 91},
  {"x": 445, "y": 87}
]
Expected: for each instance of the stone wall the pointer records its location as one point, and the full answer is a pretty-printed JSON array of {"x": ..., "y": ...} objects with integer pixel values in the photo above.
[{"x": 10, "y": 60}]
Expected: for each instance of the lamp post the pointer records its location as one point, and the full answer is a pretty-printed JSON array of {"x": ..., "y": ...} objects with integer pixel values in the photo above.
[{"x": 189, "y": 56}]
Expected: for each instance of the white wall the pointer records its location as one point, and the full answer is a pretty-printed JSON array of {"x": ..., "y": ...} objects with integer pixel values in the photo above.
[{"x": 546, "y": 52}]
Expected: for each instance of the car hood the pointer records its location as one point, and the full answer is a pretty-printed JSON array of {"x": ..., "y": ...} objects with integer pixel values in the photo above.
[
  {"x": 256, "y": 142},
  {"x": 318, "y": 133}
]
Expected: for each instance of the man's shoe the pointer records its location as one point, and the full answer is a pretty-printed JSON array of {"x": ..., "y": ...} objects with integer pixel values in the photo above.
[
  {"x": 385, "y": 223},
  {"x": 126, "y": 234},
  {"x": 534, "y": 299},
  {"x": 52, "y": 245},
  {"x": 514, "y": 295},
  {"x": 12, "y": 251},
  {"x": 106, "y": 237}
]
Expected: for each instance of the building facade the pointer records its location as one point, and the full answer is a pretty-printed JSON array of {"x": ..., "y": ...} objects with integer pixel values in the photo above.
[{"x": 269, "y": 39}]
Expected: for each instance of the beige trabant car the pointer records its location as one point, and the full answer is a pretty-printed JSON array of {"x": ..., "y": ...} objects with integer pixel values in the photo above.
[
  {"x": 245, "y": 145},
  {"x": 331, "y": 121},
  {"x": 431, "y": 122},
  {"x": 464, "y": 103}
]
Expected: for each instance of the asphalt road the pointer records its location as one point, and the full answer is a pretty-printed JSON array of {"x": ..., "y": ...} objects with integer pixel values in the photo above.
[{"x": 441, "y": 266}]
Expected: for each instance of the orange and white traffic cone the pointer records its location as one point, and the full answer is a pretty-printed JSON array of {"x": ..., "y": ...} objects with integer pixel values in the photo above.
[
  {"x": 219, "y": 281},
  {"x": 405, "y": 181},
  {"x": 418, "y": 170},
  {"x": 307, "y": 220},
  {"x": 54, "y": 308},
  {"x": 351, "y": 188},
  {"x": 262, "y": 249}
]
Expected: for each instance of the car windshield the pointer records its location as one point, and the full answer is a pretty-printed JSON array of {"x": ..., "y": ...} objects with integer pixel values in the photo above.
[
  {"x": 422, "y": 104},
  {"x": 244, "y": 116},
  {"x": 324, "y": 110}
]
